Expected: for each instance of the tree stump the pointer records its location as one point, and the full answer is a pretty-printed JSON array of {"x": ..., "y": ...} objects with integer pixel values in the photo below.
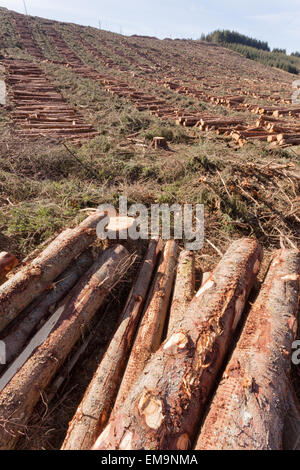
[{"x": 159, "y": 143}]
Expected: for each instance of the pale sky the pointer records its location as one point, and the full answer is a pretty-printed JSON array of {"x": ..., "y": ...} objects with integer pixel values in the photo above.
[{"x": 274, "y": 21}]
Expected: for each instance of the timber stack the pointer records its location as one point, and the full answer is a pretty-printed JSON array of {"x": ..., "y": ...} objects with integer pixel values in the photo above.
[
  {"x": 153, "y": 385},
  {"x": 39, "y": 109}
]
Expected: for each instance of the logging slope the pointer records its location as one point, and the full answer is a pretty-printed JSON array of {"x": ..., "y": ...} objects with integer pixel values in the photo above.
[{"x": 229, "y": 122}]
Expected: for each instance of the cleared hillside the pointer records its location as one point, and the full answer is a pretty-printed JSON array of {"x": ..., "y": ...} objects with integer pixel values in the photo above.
[
  {"x": 82, "y": 108},
  {"x": 118, "y": 86}
]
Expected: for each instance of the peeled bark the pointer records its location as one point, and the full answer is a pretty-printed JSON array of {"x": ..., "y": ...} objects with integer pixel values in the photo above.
[
  {"x": 163, "y": 408},
  {"x": 184, "y": 289},
  {"x": 17, "y": 293},
  {"x": 16, "y": 339},
  {"x": 205, "y": 276},
  {"x": 7, "y": 263},
  {"x": 20, "y": 395},
  {"x": 149, "y": 335},
  {"x": 96, "y": 405},
  {"x": 251, "y": 403}
]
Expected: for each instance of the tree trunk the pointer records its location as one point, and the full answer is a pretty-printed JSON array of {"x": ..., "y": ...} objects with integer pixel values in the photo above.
[
  {"x": 96, "y": 405},
  {"x": 205, "y": 277},
  {"x": 44, "y": 304},
  {"x": 20, "y": 395},
  {"x": 149, "y": 335},
  {"x": 163, "y": 408},
  {"x": 291, "y": 431},
  {"x": 250, "y": 405},
  {"x": 35, "y": 278},
  {"x": 184, "y": 289}
]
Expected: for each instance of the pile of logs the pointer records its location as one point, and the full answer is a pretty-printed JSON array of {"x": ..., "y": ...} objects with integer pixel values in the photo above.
[
  {"x": 153, "y": 385},
  {"x": 158, "y": 107},
  {"x": 63, "y": 288},
  {"x": 277, "y": 112},
  {"x": 231, "y": 102},
  {"x": 26, "y": 37},
  {"x": 163, "y": 407},
  {"x": 40, "y": 110}
]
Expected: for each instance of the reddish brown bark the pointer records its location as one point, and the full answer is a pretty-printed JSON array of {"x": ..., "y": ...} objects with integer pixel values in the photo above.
[
  {"x": 149, "y": 335},
  {"x": 21, "y": 394},
  {"x": 163, "y": 408},
  {"x": 184, "y": 289},
  {"x": 96, "y": 405},
  {"x": 7, "y": 263},
  {"x": 38, "y": 275},
  {"x": 251, "y": 403}
]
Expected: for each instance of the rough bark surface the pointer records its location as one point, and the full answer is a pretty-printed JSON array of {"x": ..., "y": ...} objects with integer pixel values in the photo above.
[
  {"x": 291, "y": 430},
  {"x": 96, "y": 405},
  {"x": 184, "y": 289},
  {"x": 17, "y": 338},
  {"x": 163, "y": 409},
  {"x": 251, "y": 403},
  {"x": 17, "y": 293},
  {"x": 21, "y": 394},
  {"x": 149, "y": 335}
]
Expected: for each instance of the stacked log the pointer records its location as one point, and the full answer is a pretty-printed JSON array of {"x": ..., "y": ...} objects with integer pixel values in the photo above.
[
  {"x": 40, "y": 308},
  {"x": 184, "y": 289},
  {"x": 40, "y": 110},
  {"x": 44, "y": 355},
  {"x": 96, "y": 405},
  {"x": 20, "y": 290},
  {"x": 215, "y": 123},
  {"x": 277, "y": 112},
  {"x": 252, "y": 401},
  {"x": 281, "y": 132},
  {"x": 252, "y": 133},
  {"x": 24, "y": 31},
  {"x": 164, "y": 406},
  {"x": 231, "y": 102},
  {"x": 150, "y": 332}
]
